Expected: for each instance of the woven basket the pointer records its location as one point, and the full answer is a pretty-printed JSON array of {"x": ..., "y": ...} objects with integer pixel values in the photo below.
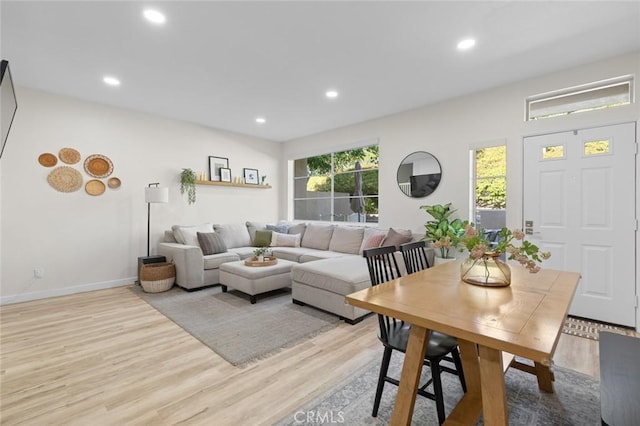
[{"x": 157, "y": 277}]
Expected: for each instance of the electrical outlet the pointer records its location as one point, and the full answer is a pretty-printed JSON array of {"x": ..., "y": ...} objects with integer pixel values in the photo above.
[{"x": 38, "y": 273}]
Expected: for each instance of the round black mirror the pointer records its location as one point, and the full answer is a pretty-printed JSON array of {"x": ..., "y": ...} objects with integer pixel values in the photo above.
[{"x": 419, "y": 174}]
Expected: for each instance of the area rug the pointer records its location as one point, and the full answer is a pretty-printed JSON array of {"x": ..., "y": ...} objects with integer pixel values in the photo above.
[
  {"x": 586, "y": 328},
  {"x": 234, "y": 328},
  {"x": 576, "y": 400}
]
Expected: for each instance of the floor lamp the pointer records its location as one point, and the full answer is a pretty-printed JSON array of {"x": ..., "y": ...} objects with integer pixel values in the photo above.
[{"x": 153, "y": 194}]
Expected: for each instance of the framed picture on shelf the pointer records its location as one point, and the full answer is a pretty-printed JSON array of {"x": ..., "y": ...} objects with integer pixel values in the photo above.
[
  {"x": 225, "y": 174},
  {"x": 215, "y": 164},
  {"x": 251, "y": 176}
]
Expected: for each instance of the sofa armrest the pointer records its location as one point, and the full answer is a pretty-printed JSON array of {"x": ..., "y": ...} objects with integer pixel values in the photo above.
[{"x": 189, "y": 263}]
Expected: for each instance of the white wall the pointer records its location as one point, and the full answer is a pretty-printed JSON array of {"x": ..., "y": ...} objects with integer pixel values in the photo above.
[
  {"x": 83, "y": 242},
  {"x": 449, "y": 129}
]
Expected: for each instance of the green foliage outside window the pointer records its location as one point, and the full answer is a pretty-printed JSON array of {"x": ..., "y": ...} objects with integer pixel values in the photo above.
[{"x": 491, "y": 182}]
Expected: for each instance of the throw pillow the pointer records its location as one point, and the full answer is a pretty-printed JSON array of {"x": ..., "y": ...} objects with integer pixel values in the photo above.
[
  {"x": 394, "y": 238},
  {"x": 285, "y": 240},
  {"x": 370, "y": 233},
  {"x": 187, "y": 234},
  {"x": 211, "y": 243},
  {"x": 373, "y": 241},
  {"x": 281, "y": 228},
  {"x": 262, "y": 239}
]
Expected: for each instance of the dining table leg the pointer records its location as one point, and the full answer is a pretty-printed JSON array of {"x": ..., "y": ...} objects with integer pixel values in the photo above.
[
  {"x": 410, "y": 378},
  {"x": 494, "y": 396},
  {"x": 469, "y": 408}
]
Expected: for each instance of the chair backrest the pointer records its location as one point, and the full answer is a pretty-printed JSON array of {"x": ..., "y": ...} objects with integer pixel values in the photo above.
[
  {"x": 383, "y": 267},
  {"x": 382, "y": 264},
  {"x": 415, "y": 256}
]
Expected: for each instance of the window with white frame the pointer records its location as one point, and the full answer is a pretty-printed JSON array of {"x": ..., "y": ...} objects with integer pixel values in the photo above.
[
  {"x": 587, "y": 97},
  {"x": 337, "y": 186},
  {"x": 489, "y": 183}
]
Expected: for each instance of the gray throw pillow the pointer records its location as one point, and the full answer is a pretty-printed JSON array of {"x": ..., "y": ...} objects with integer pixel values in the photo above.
[{"x": 211, "y": 243}]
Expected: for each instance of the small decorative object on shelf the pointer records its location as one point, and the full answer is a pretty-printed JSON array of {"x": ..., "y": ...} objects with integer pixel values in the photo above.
[
  {"x": 188, "y": 184},
  {"x": 250, "y": 176},
  {"x": 262, "y": 179},
  {"x": 483, "y": 267}
]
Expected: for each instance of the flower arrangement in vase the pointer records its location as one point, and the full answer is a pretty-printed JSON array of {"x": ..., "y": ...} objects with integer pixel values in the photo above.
[
  {"x": 444, "y": 235},
  {"x": 484, "y": 266}
]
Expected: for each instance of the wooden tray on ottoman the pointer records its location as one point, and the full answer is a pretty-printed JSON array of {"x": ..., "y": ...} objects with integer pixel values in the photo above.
[{"x": 268, "y": 261}]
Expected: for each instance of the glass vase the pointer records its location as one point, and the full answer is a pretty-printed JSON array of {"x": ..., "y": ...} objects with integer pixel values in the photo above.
[{"x": 487, "y": 270}]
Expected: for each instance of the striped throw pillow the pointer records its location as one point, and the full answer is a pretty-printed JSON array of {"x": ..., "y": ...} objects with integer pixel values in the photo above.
[{"x": 211, "y": 243}]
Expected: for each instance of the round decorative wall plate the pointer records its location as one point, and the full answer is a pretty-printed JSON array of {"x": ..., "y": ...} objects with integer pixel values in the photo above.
[
  {"x": 47, "y": 159},
  {"x": 65, "y": 179},
  {"x": 114, "y": 183},
  {"x": 69, "y": 155},
  {"x": 98, "y": 166},
  {"x": 94, "y": 187}
]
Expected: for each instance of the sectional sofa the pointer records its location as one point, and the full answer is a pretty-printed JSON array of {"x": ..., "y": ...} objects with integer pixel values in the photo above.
[{"x": 329, "y": 262}]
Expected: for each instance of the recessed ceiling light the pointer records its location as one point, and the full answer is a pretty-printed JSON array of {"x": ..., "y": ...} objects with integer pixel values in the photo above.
[
  {"x": 154, "y": 16},
  {"x": 331, "y": 94},
  {"x": 261, "y": 120},
  {"x": 111, "y": 81},
  {"x": 467, "y": 43}
]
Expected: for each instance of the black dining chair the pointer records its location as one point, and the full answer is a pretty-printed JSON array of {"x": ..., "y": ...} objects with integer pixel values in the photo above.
[
  {"x": 394, "y": 335},
  {"x": 415, "y": 256}
]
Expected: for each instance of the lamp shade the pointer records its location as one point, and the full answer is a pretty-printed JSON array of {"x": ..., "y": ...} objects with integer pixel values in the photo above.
[{"x": 155, "y": 194}]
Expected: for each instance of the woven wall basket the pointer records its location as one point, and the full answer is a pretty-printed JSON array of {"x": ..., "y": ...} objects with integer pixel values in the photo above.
[{"x": 157, "y": 277}]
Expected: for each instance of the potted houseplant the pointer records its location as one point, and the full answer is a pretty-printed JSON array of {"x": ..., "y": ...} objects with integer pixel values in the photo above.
[
  {"x": 442, "y": 233},
  {"x": 188, "y": 184},
  {"x": 260, "y": 252}
]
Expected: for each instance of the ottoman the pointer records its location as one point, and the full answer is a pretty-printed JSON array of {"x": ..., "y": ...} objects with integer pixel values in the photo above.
[{"x": 253, "y": 280}]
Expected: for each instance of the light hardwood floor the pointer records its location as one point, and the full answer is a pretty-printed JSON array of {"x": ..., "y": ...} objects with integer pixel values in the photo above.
[{"x": 106, "y": 357}]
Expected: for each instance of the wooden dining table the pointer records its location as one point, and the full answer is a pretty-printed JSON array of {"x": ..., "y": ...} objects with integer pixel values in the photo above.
[{"x": 492, "y": 325}]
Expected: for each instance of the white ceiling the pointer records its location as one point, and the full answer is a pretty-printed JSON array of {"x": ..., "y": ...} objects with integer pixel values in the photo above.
[{"x": 222, "y": 64}]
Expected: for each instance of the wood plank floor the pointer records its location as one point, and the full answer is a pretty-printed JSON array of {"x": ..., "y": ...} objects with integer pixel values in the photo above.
[{"x": 106, "y": 357}]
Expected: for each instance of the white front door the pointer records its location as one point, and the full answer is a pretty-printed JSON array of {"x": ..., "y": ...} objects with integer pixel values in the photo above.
[{"x": 579, "y": 204}]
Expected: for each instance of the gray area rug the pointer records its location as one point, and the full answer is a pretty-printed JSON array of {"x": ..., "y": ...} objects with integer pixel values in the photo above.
[
  {"x": 576, "y": 400},
  {"x": 234, "y": 328}
]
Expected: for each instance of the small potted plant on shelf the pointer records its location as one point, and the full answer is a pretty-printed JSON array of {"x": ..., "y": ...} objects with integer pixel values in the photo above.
[
  {"x": 260, "y": 252},
  {"x": 188, "y": 184},
  {"x": 444, "y": 235}
]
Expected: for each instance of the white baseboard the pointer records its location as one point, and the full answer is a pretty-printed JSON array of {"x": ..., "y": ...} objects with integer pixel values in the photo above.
[{"x": 17, "y": 298}]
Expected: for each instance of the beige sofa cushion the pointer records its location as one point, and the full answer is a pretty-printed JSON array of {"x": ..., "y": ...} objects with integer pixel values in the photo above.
[
  {"x": 346, "y": 239},
  {"x": 317, "y": 236},
  {"x": 343, "y": 276},
  {"x": 297, "y": 228},
  {"x": 214, "y": 261},
  {"x": 234, "y": 234}
]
